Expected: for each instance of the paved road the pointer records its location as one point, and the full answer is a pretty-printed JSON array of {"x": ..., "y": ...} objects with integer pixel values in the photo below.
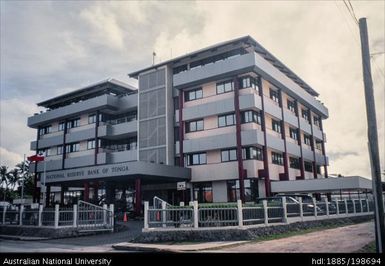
[
  {"x": 94, "y": 243},
  {"x": 338, "y": 240}
]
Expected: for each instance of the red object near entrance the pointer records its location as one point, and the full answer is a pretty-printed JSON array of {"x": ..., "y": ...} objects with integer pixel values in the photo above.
[
  {"x": 36, "y": 158},
  {"x": 125, "y": 217}
]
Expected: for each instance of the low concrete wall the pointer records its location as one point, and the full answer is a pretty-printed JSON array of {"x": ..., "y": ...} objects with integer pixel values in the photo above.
[{"x": 236, "y": 234}]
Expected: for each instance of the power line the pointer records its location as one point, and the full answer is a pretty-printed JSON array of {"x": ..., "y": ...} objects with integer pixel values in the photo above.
[{"x": 351, "y": 11}]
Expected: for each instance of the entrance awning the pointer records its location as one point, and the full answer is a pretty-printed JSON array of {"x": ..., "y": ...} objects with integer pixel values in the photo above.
[{"x": 322, "y": 185}]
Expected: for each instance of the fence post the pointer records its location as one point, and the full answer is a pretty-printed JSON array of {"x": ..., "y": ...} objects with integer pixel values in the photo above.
[
  {"x": 40, "y": 216},
  {"x": 300, "y": 209},
  {"x": 337, "y": 208},
  {"x": 327, "y": 207},
  {"x": 346, "y": 207},
  {"x": 75, "y": 215},
  {"x": 191, "y": 203},
  {"x": 112, "y": 217},
  {"x": 361, "y": 210},
  {"x": 354, "y": 206},
  {"x": 21, "y": 215},
  {"x": 104, "y": 214},
  {"x": 146, "y": 207},
  {"x": 284, "y": 207},
  {"x": 265, "y": 212},
  {"x": 56, "y": 215},
  {"x": 196, "y": 214},
  {"x": 315, "y": 208},
  {"x": 4, "y": 213},
  {"x": 367, "y": 206},
  {"x": 240, "y": 213},
  {"x": 164, "y": 217},
  {"x": 181, "y": 204}
]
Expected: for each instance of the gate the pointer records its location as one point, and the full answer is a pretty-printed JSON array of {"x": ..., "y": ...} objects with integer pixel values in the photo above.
[{"x": 91, "y": 217}]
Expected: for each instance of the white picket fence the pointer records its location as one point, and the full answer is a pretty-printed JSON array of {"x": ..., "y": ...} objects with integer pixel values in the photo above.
[
  {"x": 240, "y": 215},
  {"x": 84, "y": 216}
]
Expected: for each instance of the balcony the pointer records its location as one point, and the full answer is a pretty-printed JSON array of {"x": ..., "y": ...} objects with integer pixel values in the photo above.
[
  {"x": 305, "y": 126},
  {"x": 97, "y": 103},
  {"x": 230, "y": 66},
  {"x": 115, "y": 129}
]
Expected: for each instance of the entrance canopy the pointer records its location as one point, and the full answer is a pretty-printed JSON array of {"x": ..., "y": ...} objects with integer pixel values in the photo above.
[
  {"x": 322, "y": 185},
  {"x": 118, "y": 171}
]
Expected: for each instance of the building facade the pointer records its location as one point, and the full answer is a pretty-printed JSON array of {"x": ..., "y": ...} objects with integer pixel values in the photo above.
[{"x": 229, "y": 120}]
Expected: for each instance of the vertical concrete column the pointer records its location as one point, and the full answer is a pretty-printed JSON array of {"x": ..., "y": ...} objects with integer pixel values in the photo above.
[
  {"x": 181, "y": 128},
  {"x": 146, "y": 208},
  {"x": 315, "y": 208},
  {"x": 240, "y": 213},
  {"x": 164, "y": 214},
  {"x": 367, "y": 205},
  {"x": 56, "y": 224},
  {"x": 104, "y": 213},
  {"x": 75, "y": 215},
  {"x": 285, "y": 175},
  {"x": 337, "y": 208},
  {"x": 40, "y": 216},
  {"x": 327, "y": 207},
  {"x": 265, "y": 212},
  {"x": 138, "y": 197},
  {"x": 196, "y": 214},
  {"x": 361, "y": 210},
  {"x": 346, "y": 207},
  {"x": 112, "y": 212},
  {"x": 4, "y": 213},
  {"x": 300, "y": 209},
  {"x": 354, "y": 206},
  {"x": 284, "y": 206},
  {"x": 86, "y": 195},
  {"x": 21, "y": 215}
]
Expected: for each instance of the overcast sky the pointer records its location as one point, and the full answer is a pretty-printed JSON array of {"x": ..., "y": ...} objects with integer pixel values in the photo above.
[{"x": 48, "y": 48}]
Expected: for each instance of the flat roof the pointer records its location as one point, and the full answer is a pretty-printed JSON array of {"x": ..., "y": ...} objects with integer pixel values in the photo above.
[
  {"x": 322, "y": 184},
  {"x": 107, "y": 85},
  {"x": 258, "y": 48}
]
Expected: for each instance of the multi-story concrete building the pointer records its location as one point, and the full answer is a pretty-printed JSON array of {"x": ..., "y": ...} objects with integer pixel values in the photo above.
[{"x": 229, "y": 119}]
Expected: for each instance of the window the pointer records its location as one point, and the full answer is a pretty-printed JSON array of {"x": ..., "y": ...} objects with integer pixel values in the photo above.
[
  {"x": 305, "y": 114},
  {"x": 196, "y": 159},
  {"x": 44, "y": 152},
  {"x": 74, "y": 147},
  {"x": 308, "y": 167},
  {"x": 92, "y": 119},
  {"x": 59, "y": 150},
  {"x": 45, "y": 130},
  {"x": 317, "y": 121},
  {"x": 228, "y": 155},
  {"x": 91, "y": 144},
  {"x": 277, "y": 158},
  {"x": 291, "y": 105},
  {"x": 294, "y": 163},
  {"x": 73, "y": 123},
  {"x": 193, "y": 126},
  {"x": 251, "y": 116},
  {"x": 274, "y": 95},
  {"x": 193, "y": 94},
  {"x": 294, "y": 133},
  {"x": 307, "y": 139},
  {"x": 226, "y": 120},
  {"x": 252, "y": 153},
  {"x": 224, "y": 87},
  {"x": 203, "y": 192},
  {"x": 61, "y": 126},
  {"x": 250, "y": 186},
  {"x": 318, "y": 145},
  {"x": 276, "y": 125},
  {"x": 318, "y": 169},
  {"x": 249, "y": 82}
]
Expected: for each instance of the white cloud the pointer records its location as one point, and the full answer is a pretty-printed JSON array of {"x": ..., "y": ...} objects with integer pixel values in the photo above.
[{"x": 9, "y": 158}]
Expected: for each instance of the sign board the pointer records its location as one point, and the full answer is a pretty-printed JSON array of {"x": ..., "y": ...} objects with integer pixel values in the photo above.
[{"x": 181, "y": 186}]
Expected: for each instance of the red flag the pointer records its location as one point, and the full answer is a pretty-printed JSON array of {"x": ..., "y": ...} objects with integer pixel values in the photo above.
[{"x": 36, "y": 158}]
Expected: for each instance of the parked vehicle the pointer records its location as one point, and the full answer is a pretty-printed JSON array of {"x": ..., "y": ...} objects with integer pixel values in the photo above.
[{"x": 293, "y": 203}]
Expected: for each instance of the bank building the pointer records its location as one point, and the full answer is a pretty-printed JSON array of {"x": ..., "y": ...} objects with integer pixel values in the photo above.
[{"x": 226, "y": 122}]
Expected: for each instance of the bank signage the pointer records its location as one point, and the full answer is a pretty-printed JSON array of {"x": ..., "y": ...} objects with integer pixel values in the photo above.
[{"x": 89, "y": 172}]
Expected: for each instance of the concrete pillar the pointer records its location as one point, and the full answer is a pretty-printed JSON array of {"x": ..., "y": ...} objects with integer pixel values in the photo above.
[
  {"x": 327, "y": 207},
  {"x": 164, "y": 214},
  {"x": 86, "y": 195},
  {"x": 265, "y": 212},
  {"x": 21, "y": 215},
  {"x": 40, "y": 217},
  {"x": 240, "y": 213},
  {"x": 337, "y": 208},
  {"x": 56, "y": 215},
  {"x": 138, "y": 197},
  {"x": 146, "y": 207},
  {"x": 284, "y": 206},
  {"x": 300, "y": 209},
  {"x": 196, "y": 214},
  {"x": 75, "y": 214}
]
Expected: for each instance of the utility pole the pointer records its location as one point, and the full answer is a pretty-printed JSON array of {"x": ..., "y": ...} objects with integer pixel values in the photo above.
[{"x": 373, "y": 139}]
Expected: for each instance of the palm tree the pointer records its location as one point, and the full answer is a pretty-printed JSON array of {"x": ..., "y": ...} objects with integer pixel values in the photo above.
[
  {"x": 4, "y": 179},
  {"x": 14, "y": 178}
]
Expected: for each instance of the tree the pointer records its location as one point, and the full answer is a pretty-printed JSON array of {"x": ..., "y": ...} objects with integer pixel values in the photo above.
[{"x": 4, "y": 180}]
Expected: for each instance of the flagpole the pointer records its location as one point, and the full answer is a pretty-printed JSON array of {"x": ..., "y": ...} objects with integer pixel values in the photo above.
[{"x": 22, "y": 183}]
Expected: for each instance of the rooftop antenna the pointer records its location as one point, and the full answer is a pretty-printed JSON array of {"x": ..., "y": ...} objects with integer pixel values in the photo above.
[{"x": 153, "y": 58}]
